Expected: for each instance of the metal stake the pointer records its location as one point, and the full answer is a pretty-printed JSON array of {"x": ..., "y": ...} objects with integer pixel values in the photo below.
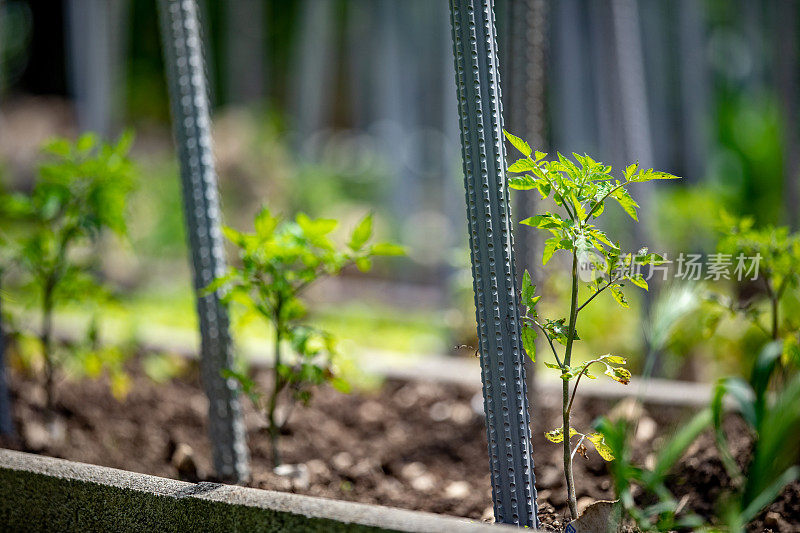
[
  {"x": 188, "y": 87},
  {"x": 494, "y": 280}
]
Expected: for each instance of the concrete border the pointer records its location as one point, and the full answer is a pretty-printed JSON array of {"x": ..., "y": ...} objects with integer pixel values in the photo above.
[{"x": 39, "y": 493}]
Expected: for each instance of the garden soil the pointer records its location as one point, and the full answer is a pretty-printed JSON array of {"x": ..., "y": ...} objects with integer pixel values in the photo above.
[{"x": 414, "y": 445}]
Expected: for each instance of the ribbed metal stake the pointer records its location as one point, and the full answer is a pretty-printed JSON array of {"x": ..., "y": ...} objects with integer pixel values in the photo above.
[
  {"x": 180, "y": 30},
  {"x": 494, "y": 280}
]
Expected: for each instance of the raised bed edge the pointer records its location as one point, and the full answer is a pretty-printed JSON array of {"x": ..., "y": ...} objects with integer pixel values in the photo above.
[{"x": 39, "y": 493}]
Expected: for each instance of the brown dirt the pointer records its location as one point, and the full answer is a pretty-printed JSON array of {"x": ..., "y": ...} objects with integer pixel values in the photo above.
[{"x": 414, "y": 445}]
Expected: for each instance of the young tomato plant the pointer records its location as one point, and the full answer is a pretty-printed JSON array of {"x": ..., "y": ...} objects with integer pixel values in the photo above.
[
  {"x": 80, "y": 193},
  {"x": 772, "y": 255},
  {"x": 277, "y": 263},
  {"x": 581, "y": 191}
]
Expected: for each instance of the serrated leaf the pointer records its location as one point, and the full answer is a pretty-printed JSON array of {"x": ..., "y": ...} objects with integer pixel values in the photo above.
[
  {"x": 519, "y": 144},
  {"x": 544, "y": 188},
  {"x": 233, "y": 235},
  {"x": 648, "y": 259},
  {"x": 522, "y": 165},
  {"x": 550, "y": 246},
  {"x": 625, "y": 201},
  {"x": 529, "y": 341},
  {"x": 545, "y": 221}
]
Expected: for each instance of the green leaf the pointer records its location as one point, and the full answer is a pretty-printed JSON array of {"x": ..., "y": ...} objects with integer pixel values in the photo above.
[
  {"x": 361, "y": 233},
  {"x": 529, "y": 341},
  {"x": 544, "y": 188},
  {"x": 265, "y": 224},
  {"x": 528, "y": 289},
  {"x": 550, "y": 246},
  {"x": 669, "y": 454},
  {"x": 315, "y": 227},
  {"x": 522, "y": 183},
  {"x": 627, "y": 203},
  {"x": 552, "y": 365},
  {"x": 364, "y": 264},
  {"x": 86, "y": 142},
  {"x": 387, "y": 249},
  {"x": 340, "y": 385},
  {"x": 545, "y": 221},
  {"x": 523, "y": 165},
  {"x": 233, "y": 235},
  {"x": 519, "y": 144}
]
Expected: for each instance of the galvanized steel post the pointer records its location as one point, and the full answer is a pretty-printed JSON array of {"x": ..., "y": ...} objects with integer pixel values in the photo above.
[
  {"x": 180, "y": 29},
  {"x": 494, "y": 279}
]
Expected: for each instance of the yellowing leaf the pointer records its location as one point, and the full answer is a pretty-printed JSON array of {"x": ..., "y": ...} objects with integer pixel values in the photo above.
[
  {"x": 557, "y": 435},
  {"x": 600, "y": 445},
  {"x": 616, "y": 292},
  {"x": 622, "y": 375},
  {"x": 639, "y": 281},
  {"x": 614, "y": 359},
  {"x": 120, "y": 385}
]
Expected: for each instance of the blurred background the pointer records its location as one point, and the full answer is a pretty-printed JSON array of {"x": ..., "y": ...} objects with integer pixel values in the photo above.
[{"x": 339, "y": 107}]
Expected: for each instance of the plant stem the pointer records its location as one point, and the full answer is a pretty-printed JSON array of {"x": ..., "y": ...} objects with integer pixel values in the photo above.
[
  {"x": 277, "y": 386},
  {"x": 774, "y": 299},
  {"x": 775, "y": 318},
  {"x": 47, "y": 341},
  {"x": 565, "y": 397}
]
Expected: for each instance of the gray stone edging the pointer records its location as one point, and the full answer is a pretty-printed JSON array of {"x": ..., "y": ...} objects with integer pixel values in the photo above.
[{"x": 39, "y": 493}]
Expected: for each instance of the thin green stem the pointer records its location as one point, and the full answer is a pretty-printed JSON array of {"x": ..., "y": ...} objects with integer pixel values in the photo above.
[
  {"x": 278, "y": 384},
  {"x": 601, "y": 200},
  {"x": 565, "y": 396},
  {"x": 550, "y": 341},
  {"x": 593, "y": 296},
  {"x": 47, "y": 344},
  {"x": 774, "y": 299}
]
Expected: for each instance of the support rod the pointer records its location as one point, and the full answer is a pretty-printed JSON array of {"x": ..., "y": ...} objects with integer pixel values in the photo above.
[
  {"x": 191, "y": 120},
  {"x": 494, "y": 280}
]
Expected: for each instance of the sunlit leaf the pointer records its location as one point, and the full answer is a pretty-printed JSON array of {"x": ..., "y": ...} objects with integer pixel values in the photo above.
[{"x": 519, "y": 144}]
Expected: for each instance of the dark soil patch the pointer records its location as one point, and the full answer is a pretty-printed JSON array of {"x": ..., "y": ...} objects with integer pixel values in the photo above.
[{"x": 414, "y": 445}]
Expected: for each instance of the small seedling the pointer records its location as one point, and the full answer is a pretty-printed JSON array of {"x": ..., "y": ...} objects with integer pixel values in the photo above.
[
  {"x": 80, "y": 193},
  {"x": 277, "y": 264},
  {"x": 581, "y": 189}
]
